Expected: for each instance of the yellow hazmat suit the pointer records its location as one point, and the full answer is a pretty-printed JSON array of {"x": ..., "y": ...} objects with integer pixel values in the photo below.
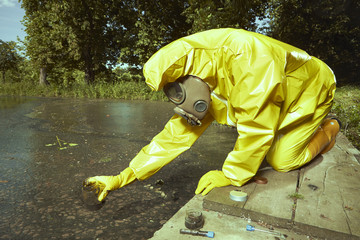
[{"x": 275, "y": 95}]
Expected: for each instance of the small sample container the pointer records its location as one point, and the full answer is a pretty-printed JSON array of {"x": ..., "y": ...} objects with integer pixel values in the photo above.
[
  {"x": 239, "y": 196},
  {"x": 90, "y": 200},
  {"x": 194, "y": 219}
]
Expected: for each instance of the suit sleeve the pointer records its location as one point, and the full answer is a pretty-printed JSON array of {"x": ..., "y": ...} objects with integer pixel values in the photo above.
[{"x": 177, "y": 137}]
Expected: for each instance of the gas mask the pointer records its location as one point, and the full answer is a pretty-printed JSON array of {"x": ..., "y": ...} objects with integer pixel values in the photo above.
[{"x": 191, "y": 96}]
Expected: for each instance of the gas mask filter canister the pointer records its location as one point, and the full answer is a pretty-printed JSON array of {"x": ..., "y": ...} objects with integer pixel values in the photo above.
[{"x": 191, "y": 96}]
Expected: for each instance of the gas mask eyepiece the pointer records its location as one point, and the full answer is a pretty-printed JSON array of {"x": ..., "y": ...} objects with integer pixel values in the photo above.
[
  {"x": 200, "y": 106},
  {"x": 191, "y": 96},
  {"x": 175, "y": 92}
]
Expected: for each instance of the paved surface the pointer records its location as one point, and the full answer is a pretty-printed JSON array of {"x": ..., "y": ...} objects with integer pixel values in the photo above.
[
  {"x": 225, "y": 227},
  {"x": 40, "y": 183},
  {"x": 319, "y": 201}
]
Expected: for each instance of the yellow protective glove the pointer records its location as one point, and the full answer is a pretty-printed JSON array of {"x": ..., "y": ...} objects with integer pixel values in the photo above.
[
  {"x": 211, "y": 180},
  {"x": 104, "y": 184}
]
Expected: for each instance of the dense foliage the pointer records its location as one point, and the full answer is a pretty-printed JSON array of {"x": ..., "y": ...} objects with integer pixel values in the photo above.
[
  {"x": 327, "y": 29},
  {"x": 155, "y": 23},
  {"x": 9, "y": 58},
  {"x": 204, "y": 15},
  {"x": 72, "y": 34},
  {"x": 86, "y": 40}
]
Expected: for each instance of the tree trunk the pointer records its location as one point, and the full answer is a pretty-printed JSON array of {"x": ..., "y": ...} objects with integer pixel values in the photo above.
[
  {"x": 88, "y": 50},
  {"x": 43, "y": 75},
  {"x": 89, "y": 73},
  {"x": 89, "y": 66}
]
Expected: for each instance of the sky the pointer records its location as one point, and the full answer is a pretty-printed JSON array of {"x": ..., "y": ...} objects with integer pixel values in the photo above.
[{"x": 10, "y": 16}]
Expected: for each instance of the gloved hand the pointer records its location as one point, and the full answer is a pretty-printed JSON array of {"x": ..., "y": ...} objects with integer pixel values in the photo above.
[
  {"x": 105, "y": 184},
  {"x": 211, "y": 180}
]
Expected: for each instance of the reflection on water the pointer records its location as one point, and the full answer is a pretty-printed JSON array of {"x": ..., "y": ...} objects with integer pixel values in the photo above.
[
  {"x": 40, "y": 185},
  {"x": 12, "y": 101}
]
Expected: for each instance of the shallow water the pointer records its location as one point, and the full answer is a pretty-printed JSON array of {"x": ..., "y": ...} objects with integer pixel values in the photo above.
[{"x": 40, "y": 181}]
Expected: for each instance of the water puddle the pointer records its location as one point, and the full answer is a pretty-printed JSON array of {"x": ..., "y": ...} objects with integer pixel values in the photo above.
[{"x": 41, "y": 173}]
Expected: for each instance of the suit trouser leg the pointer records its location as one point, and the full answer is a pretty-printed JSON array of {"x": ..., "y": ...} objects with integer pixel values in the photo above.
[{"x": 293, "y": 148}]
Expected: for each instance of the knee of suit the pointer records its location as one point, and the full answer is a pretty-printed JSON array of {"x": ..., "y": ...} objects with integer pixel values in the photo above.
[
  {"x": 285, "y": 162},
  {"x": 280, "y": 167},
  {"x": 284, "y": 168}
]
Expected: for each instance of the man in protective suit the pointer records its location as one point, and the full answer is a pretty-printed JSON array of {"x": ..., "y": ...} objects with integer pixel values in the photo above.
[{"x": 276, "y": 95}]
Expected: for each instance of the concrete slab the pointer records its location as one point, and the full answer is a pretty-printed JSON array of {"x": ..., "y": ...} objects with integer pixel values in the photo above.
[
  {"x": 225, "y": 226},
  {"x": 331, "y": 192},
  {"x": 327, "y": 204},
  {"x": 266, "y": 202},
  {"x": 327, "y": 196}
]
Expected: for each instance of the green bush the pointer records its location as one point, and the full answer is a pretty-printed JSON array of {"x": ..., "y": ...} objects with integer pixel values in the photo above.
[
  {"x": 347, "y": 108},
  {"x": 118, "y": 90}
]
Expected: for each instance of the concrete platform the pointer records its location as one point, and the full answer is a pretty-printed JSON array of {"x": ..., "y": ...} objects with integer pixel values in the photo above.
[{"x": 321, "y": 201}]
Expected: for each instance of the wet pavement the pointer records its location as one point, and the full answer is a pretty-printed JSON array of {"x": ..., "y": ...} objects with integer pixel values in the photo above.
[{"x": 49, "y": 146}]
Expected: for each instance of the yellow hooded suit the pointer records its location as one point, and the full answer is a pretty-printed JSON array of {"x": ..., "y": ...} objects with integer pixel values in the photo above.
[{"x": 275, "y": 95}]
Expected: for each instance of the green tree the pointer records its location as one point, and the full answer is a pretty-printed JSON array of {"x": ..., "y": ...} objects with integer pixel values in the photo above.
[
  {"x": 45, "y": 39},
  {"x": 159, "y": 22},
  {"x": 9, "y": 58},
  {"x": 71, "y": 34},
  {"x": 154, "y": 24},
  {"x": 327, "y": 29},
  {"x": 93, "y": 34},
  {"x": 209, "y": 14}
]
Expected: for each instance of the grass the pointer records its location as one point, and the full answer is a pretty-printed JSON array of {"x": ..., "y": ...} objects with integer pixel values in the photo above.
[
  {"x": 296, "y": 196},
  {"x": 118, "y": 90},
  {"x": 346, "y": 104},
  {"x": 347, "y": 108}
]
